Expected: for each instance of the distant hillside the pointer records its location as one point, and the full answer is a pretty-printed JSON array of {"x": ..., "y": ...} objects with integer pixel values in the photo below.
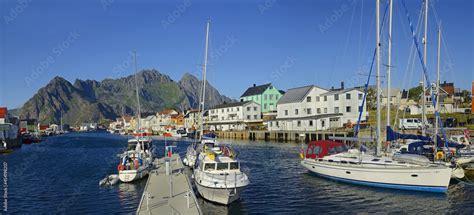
[{"x": 92, "y": 101}]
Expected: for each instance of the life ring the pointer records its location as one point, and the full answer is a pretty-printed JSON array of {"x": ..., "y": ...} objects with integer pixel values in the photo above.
[
  {"x": 120, "y": 167},
  {"x": 439, "y": 155}
]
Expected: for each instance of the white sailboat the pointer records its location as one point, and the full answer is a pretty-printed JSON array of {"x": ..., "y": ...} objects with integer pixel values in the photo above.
[
  {"x": 333, "y": 160},
  {"x": 136, "y": 161}
]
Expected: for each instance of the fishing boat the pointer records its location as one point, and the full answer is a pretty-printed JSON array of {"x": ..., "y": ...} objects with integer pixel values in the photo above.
[
  {"x": 136, "y": 161},
  {"x": 218, "y": 176},
  {"x": 332, "y": 159}
]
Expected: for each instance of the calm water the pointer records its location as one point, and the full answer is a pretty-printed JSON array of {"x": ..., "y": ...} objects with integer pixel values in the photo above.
[{"x": 61, "y": 175}]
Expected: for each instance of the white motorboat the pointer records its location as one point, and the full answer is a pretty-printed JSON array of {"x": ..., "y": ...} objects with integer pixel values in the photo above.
[
  {"x": 218, "y": 176},
  {"x": 135, "y": 164}
]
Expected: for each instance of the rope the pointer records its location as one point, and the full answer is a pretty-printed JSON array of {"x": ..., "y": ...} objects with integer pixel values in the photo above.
[{"x": 425, "y": 72}]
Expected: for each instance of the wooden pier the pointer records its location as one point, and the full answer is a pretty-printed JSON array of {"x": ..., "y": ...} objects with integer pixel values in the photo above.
[
  {"x": 168, "y": 194},
  {"x": 286, "y": 136}
]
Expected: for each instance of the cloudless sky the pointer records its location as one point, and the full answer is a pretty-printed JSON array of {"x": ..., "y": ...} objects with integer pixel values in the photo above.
[{"x": 286, "y": 42}]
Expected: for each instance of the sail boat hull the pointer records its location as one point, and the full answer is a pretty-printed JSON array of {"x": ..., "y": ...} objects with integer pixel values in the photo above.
[{"x": 416, "y": 179}]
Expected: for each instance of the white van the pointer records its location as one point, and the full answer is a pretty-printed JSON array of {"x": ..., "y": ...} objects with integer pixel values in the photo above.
[{"x": 409, "y": 123}]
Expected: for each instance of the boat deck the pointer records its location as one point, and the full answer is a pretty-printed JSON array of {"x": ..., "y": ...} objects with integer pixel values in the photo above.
[{"x": 168, "y": 194}]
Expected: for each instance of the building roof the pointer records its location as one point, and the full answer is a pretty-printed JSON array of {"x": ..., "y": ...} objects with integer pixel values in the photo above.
[
  {"x": 255, "y": 90},
  {"x": 295, "y": 94},
  {"x": 234, "y": 104},
  {"x": 341, "y": 91}
]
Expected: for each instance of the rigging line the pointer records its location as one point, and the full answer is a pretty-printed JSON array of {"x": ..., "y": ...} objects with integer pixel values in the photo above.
[
  {"x": 367, "y": 41},
  {"x": 410, "y": 64},
  {"x": 348, "y": 35},
  {"x": 445, "y": 44},
  {"x": 428, "y": 83},
  {"x": 368, "y": 80},
  {"x": 360, "y": 29}
]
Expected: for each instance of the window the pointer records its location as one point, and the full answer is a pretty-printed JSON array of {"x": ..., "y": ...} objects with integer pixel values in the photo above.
[
  {"x": 222, "y": 166},
  {"x": 336, "y": 109},
  {"x": 265, "y": 97},
  {"x": 361, "y": 96},
  {"x": 298, "y": 123},
  {"x": 286, "y": 112},
  {"x": 323, "y": 122},
  {"x": 348, "y": 109},
  {"x": 264, "y": 106},
  {"x": 278, "y": 124},
  {"x": 296, "y": 111},
  {"x": 348, "y": 96},
  {"x": 234, "y": 165},
  {"x": 227, "y": 110},
  {"x": 271, "y": 106},
  {"x": 317, "y": 98},
  {"x": 325, "y": 110},
  {"x": 254, "y": 108},
  {"x": 255, "y": 116},
  {"x": 238, "y": 109},
  {"x": 318, "y": 110},
  {"x": 310, "y": 122},
  {"x": 222, "y": 110},
  {"x": 325, "y": 98},
  {"x": 248, "y": 108},
  {"x": 209, "y": 166},
  {"x": 271, "y": 97},
  {"x": 222, "y": 118},
  {"x": 308, "y": 99},
  {"x": 276, "y": 97},
  {"x": 271, "y": 124},
  {"x": 308, "y": 111},
  {"x": 336, "y": 97},
  {"x": 248, "y": 116}
]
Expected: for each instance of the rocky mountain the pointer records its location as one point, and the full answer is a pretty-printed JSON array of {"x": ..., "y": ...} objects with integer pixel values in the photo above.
[{"x": 93, "y": 101}]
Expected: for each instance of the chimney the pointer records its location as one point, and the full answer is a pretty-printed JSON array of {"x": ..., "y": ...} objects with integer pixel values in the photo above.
[
  {"x": 342, "y": 85},
  {"x": 254, "y": 85}
]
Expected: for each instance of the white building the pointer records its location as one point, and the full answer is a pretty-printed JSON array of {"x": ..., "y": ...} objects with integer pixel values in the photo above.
[
  {"x": 191, "y": 119},
  {"x": 234, "y": 116},
  {"x": 312, "y": 108}
]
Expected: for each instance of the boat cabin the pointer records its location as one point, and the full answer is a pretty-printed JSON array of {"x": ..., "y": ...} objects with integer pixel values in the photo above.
[
  {"x": 132, "y": 143},
  {"x": 321, "y": 148},
  {"x": 224, "y": 164}
]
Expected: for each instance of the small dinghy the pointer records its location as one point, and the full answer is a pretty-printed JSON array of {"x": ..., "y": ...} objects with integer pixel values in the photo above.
[{"x": 109, "y": 180}]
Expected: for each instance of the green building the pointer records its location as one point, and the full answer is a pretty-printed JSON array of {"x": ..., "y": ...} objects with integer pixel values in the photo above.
[{"x": 265, "y": 95}]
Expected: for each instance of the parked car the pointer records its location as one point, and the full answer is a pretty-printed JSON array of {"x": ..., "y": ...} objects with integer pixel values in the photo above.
[
  {"x": 450, "y": 122},
  {"x": 409, "y": 123}
]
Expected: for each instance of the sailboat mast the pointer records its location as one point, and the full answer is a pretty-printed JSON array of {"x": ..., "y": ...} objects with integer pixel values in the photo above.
[
  {"x": 389, "y": 61},
  {"x": 204, "y": 80},
  {"x": 423, "y": 100},
  {"x": 136, "y": 90},
  {"x": 437, "y": 86},
  {"x": 377, "y": 135}
]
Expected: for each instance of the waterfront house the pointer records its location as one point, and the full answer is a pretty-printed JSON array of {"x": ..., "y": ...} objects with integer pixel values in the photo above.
[
  {"x": 191, "y": 119},
  {"x": 312, "y": 108},
  {"x": 265, "y": 95},
  {"x": 235, "y": 116}
]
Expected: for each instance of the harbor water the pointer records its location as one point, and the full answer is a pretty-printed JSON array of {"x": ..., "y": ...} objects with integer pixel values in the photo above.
[{"x": 61, "y": 175}]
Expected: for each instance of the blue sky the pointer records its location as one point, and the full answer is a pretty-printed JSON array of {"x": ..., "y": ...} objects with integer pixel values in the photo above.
[{"x": 286, "y": 42}]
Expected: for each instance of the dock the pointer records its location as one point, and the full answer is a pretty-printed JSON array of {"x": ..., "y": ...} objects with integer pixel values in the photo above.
[{"x": 168, "y": 194}]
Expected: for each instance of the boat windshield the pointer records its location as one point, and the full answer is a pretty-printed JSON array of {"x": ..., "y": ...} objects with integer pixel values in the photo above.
[
  {"x": 338, "y": 149},
  {"x": 209, "y": 166},
  {"x": 233, "y": 165},
  {"x": 222, "y": 166}
]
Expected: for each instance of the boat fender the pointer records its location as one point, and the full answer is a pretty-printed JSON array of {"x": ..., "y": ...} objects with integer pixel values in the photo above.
[
  {"x": 439, "y": 155},
  {"x": 136, "y": 164},
  {"x": 120, "y": 167}
]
